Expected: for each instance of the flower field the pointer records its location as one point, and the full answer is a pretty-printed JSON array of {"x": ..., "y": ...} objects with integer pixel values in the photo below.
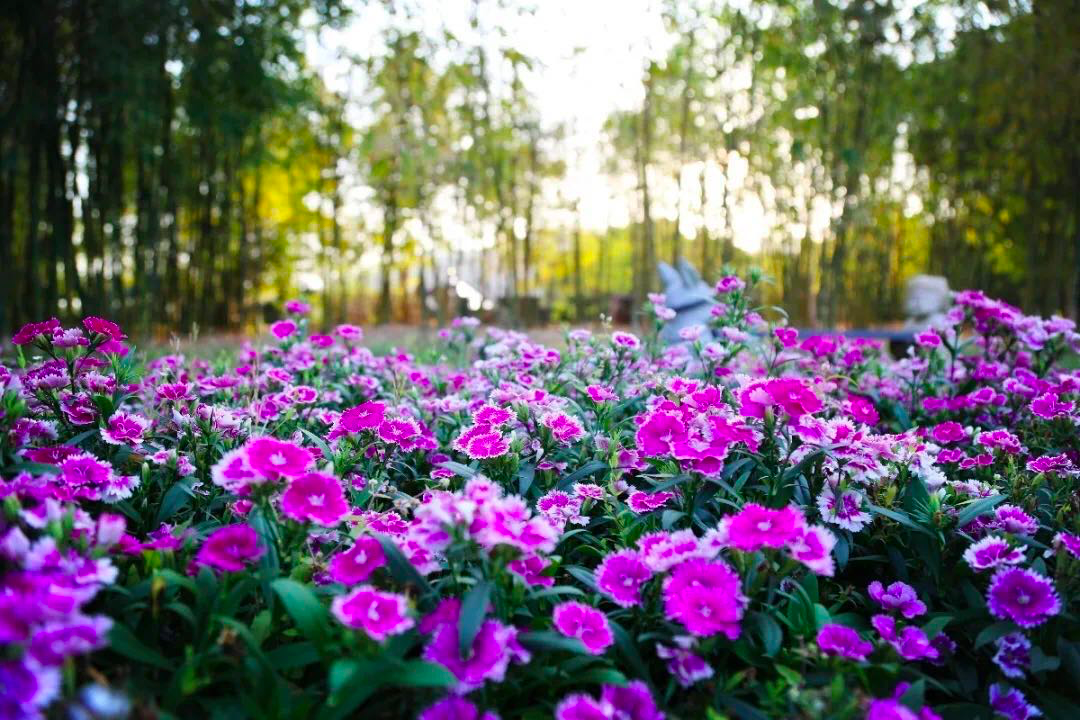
[{"x": 751, "y": 524}]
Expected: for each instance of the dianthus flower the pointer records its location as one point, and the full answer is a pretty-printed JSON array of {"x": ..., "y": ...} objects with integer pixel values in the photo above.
[
  {"x": 1013, "y": 656},
  {"x": 564, "y": 428},
  {"x": 455, "y": 708},
  {"x": 792, "y": 395},
  {"x": 1014, "y": 520},
  {"x": 642, "y": 502},
  {"x": 842, "y": 641},
  {"x": 230, "y": 548},
  {"x": 273, "y": 458},
  {"x": 1023, "y": 596},
  {"x": 898, "y": 596},
  {"x": 813, "y": 548},
  {"x": 379, "y": 614},
  {"x": 578, "y": 620},
  {"x": 755, "y": 527},
  {"x": 620, "y": 577},
  {"x": 686, "y": 666},
  {"x": 494, "y": 647},
  {"x": 706, "y": 597},
  {"x": 992, "y": 552},
  {"x": 315, "y": 497},
  {"x": 843, "y": 508},
  {"x": 356, "y": 564},
  {"x": 125, "y": 429},
  {"x": 1011, "y": 703}
]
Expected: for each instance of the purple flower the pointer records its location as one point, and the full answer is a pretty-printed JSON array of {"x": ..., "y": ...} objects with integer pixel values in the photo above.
[
  {"x": 581, "y": 707},
  {"x": 125, "y": 429},
  {"x": 913, "y": 644},
  {"x": 233, "y": 473},
  {"x": 1023, "y": 596},
  {"x": 356, "y": 564},
  {"x": 620, "y": 577},
  {"x": 843, "y": 508},
  {"x": 230, "y": 548},
  {"x": 687, "y": 667},
  {"x": 898, "y": 596},
  {"x": 1013, "y": 656},
  {"x": 455, "y": 708},
  {"x": 632, "y": 701},
  {"x": 379, "y": 614},
  {"x": 315, "y": 497},
  {"x": 1048, "y": 406},
  {"x": 494, "y": 647},
  {"x": 283, "y": 329},
  {"x": 842, "y": 641},
  {"x": 274, "y": 458},
  {"x": 948, "y": 432},
  {"x": 27, "y": 687},
  {"x": 1012, "y": 519},
  {"x": 755, "y": 527},
  {"x": 75, "y": 635},
  {"x": 1011, "y": 703},
  {"x": 992, "y": 552},
  {"x": 643, "y": 502},
  {"x": 1069, "y": 541},
  {"x": 578, "y": 620},
  {"x": 706, "y": 597},
  {"x": 814, "y": 550},
  {"x": 530, "y": 568}
]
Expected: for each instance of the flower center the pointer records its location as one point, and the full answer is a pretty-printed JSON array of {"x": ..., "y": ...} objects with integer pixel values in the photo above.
[
  {"x": 278, "y": 459},
  {"x": 316, "y": 500},
  {"x": 764, "y": 525},
  {"x": 1023, "y": 598}
]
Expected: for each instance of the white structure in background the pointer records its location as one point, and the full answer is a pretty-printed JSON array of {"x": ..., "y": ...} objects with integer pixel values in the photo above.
[
  {"x": 926, "y": 300},
  {"x": 689, "y": 296}
]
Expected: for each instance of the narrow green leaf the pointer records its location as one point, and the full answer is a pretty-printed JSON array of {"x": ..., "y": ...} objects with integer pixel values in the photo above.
[
  {"x": 303, "y": 607},
  {"x": 473, "y": 611},
  {"x": 125, "y": 642}
]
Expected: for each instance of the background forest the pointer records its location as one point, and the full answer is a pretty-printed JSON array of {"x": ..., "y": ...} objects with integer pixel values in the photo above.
[{"x": 181, "y": 163}]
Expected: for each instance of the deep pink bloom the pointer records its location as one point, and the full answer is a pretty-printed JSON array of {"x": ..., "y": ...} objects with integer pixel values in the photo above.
[
  {"x": 620, "y": 577},
  {"x": 656, "y": 435},
  {"x": 578, "y": 620},
  {"x": 1023, "y": 596},
  {"x": 1048, "y": 406},
  {"x": 792, "y": 395},
  {"x": 643, "y": 502},
  {"x": 283, "y": 329},
  {"x": 992, "y": 552},
  {"x": 898, "y": 596},
  {"x": 494, "y": 647},
  {"x": 842, "y": 641},
  {"x": 581, "y": 707},
  {"x": 30, "y": 331},
  {"x": 1014, "y": 520},
  {"x": 101, "y": 326},
  {"x": 230, "y": 548},
  {"x": 492, "y": 415},
  {"x": 367, "y": 416},
  {"x": 455, "y": 708},
  {"x": 755, "y": 527},
  {"x": 482, "y": 446},
  {"x": 949, "y": 432},
  {"x": 787, "y": 336},
  {"x": 813, "y": 548},
  {"x": 564, "y": 428},
  {"x": 530, "y": 568},
  {"x": 687, "y": 667},
  {"x": 706, "y": 597},
  {"x": 125, "y": 429},
  {"x": 233, "y": 473},
  {"x": 274, "y": 458},
  {"x": 356, "y": 564},
  {"x": 315, "y": 497},
  {"x": 379, "y": 614}
]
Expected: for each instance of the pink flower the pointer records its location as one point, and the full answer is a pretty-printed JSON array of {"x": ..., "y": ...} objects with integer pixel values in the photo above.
[
  {"x": 656, "y": 435},
  {"x": 625, "y": 340},
  {"x": 564, "y": 428},
  {"x": 125, "y": 429},
  {"x": 814, "y": 550},
  {"x": 379, "y": 614},
  {"x": 643, "y": 502},
  {"x": 792, "y": 395},
  {"x": 492, "y": 651},
  {"x": 620, "y": 577},
  {"x": 787, "y": 336},
  {"x": 706, "y": 597},
  {"x": 687, "y": 667},
  {"x": 283, "y": 329},
  {"x": 530, "y": 568},
  {"x": 992, "y": 552},
  {"x": 349, "y": 332},
  {"x": 367, "y": 416},
  {"x": 589, "y": 490},
  {"x": 315, "y": 497},
  {"x": 297, "y": 307},
  {"x": 1048, "y": 406},
  {"x": 842, "y": 642},
  {"x": 230, "y": 548},
  {"x": 899, "y": 596},
  {"x": 274, "y": 458},
  {"x": 948, "y": 432},
  {"x": 755, "y": 527},
  {"x": 1023, "y": 596},
  {"x": 398, "y": 432},
  {"x": 577, "y": 620},
  {"x": 101, "y": 326},
  {"x": 356, "y": 564},
  {"x": 482, "y": 446},
  {"x": 233, "y": 473},
  {"x": 601, "y": 394},
  {"x": 1014, "y": 520},
  {"x": 928, "y": 339},
  {"x": 492, "y": 415},
  {"x": 455, "y": 708}
]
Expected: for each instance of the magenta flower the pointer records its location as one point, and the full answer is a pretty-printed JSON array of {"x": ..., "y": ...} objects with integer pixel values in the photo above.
[
  {"x": 494, "y": 647},
  {"x": 992, "y": 552},
  {"x": 31, "y": 331},
  {"x": 101, "y": 326},
  {"x": 530, "y": 568},
  {"x": 1013, "y": 656},
  {"x": 1000, "y": 439},
  {"x": 492, "y": 415},
  {"x": 706, "y": 597},
  {"x": 356, "y": 564},
  {"x": 564, "y": 428},
  {"x": 581, "y": 707},
  {"x": 755, "y": 527},
  {"x": 315, "y": 497},
  {"x": 1014, "y": 520},
  {"x": 601, "y": 394},
  {"x": 948, "y": 432},
  {"x": 643, "y": 502},
  {"x": 274, "y": 458},
  {"x": 578, "y": 620},
  {"x": 687, "y": 667},
  {"x": 230, "y": 548},
  {"x": 813, "y": 548},
  {"x": 367, "y": 416},
  {"x": 1069, "y": 541},
  {"x": 379, "y": 614},
  {"x": 1059, "y": 464},
  {"x": 455, "y": 708},
  {"x": 620, "y": 577},
  {"x": 842, "y": 641},
  {"x": 589, "y": 490},
  {"x": 625, "y": 340},
  {"x": 483, "y": 446},
  {"x": 787, "y": 336},
  {"x": 125, "y": 429},
  {"x": 233, "y": 473},
  {"x": 349, "y": 332},
  {"x": 632, "y": 701},
  {"x": 1048, "y": 406},
  {"x": 791, "y": 395},
  {"x": 283, "y": 329},
  {"x": 297, "y": 307},
  {"x": 898, "y": 596},
  {"x": 656, "y": 435},
  {"x": 1011, "y": 703},
  {"x": 1023, "y": 596}
]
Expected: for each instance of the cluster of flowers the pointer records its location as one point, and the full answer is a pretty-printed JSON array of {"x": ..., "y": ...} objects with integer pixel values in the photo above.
[{"x": 615, "y": 529}]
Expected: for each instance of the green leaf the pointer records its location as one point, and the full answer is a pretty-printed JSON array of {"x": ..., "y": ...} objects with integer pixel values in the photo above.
[
  {"x": 175, "y": 498},
  {"x": 417, "y": 673},
  {"x": 303, "y": 607},
  {"x": 982, "y": 506},
  {"x": 992, "y": 633},
  {"x": 473, "y": 611},
  {"x": 901, "y": 518},
  {"x": 629, "y": 650},
  {"x": 81, "y": 436},
  {"x": 31, "y": 467},
  {"x": 553, "y": 641},
  {"x": 936, "y": 625},
  {"x": 771, "y": 635},
  {"x": 294, "y": 655},
  {"x": 124, "y": 642},
  {"x": 584, "y": 576},
  {"x": 590, "y": 468},
  {"x": 400, "y": 567},
  {"x": 461, "y": 470},
  {"x": 327, "y": 453},
  {"x": 525, "y": 478}
]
